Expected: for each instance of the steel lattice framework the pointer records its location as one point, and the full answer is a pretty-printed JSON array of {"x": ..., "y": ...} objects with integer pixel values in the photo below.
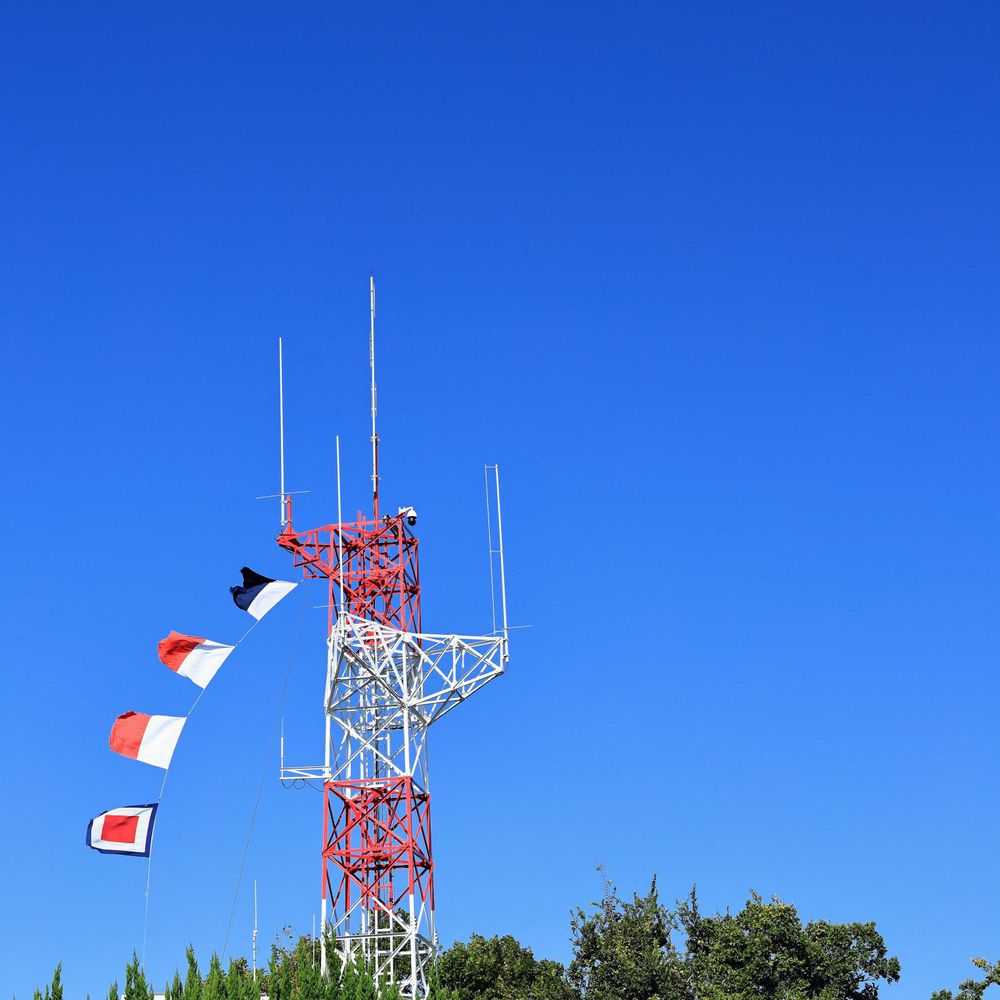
[
  {"x": 386, "y": 683},
  {"x": 385, "y": 686}
]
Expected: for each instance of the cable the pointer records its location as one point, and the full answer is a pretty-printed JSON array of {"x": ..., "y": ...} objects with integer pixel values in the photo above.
[
  {"x": 163, "y": 785},
  {"x": 263, "y": 773}
]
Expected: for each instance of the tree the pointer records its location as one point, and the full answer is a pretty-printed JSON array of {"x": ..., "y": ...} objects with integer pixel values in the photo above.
[
  {"x": 497, "y": 968},
  {"x": 973, "y": 989},
  {"x": 192, "y": 978},
  {"x": 136, "y": 987},
  {"x": 53, "y": 992},
  {"x": 624, "y": 950},
  {"x": 215, "y": 982},
  {"x": 764, "y": 950},
  {"x": 175, "y": 990}
]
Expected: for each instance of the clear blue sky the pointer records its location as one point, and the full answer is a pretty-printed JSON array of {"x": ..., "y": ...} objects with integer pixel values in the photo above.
[{"x": 716, "y": 285}]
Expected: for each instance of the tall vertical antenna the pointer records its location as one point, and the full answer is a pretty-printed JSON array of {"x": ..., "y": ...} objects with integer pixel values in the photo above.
[
  {"x": 497, "y": 552},
  {"x": 255, "y": 930},
  {"x": 281, "y": 430},
  {"x": 342, "y": 608},
  {"x": 371, "y": 362}
]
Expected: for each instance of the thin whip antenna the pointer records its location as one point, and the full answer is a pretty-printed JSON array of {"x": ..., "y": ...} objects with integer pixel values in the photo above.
[
  {"x": 340, "y": 536},
  {"x": 371, "y": 362},
  {"x": 503, "y": 581},
  {"x": 489, "y": 545},
  {"x": 281, "y": 429},
  {"x": 255, "y": 930}
]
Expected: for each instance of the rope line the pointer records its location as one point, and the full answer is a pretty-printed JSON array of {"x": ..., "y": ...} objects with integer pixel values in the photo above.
[
  {"x": 267, "y": 763},
  {"x": 163, "y": 785}
]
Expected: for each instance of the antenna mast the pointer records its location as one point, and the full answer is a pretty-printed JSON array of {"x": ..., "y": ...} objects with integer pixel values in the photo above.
[
  {"x": 387, "y": 682},
  {"x": 371, "y": 362},
  {"x": 255, "y": 930},
  {"x": 281, "y": 431}
]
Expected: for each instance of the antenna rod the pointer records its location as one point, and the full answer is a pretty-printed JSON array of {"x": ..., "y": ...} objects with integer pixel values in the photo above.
[
  {"x": 281, "y": 429},
  {"x": 503, "y": 580},
  {"x": 340, "y": 538},
  {"x": 371, "y": 362},
  {"x": 255, "y": 930}
]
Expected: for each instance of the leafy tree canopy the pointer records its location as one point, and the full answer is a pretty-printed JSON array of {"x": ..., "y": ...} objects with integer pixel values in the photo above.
[
  {"x": 499, "y": 968},
  {"x": 626, "y": 950},
  {"x": 765, "y": 950},
  {"x": 973, "y": 989}
]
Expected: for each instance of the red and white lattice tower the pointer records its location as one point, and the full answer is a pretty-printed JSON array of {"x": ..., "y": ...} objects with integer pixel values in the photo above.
[{"x": 387, "y": 681}]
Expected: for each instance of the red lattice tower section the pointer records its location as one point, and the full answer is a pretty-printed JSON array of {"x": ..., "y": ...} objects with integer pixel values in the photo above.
[
  {"x": 377, "y": 829},
  {"x": 381, "y": 577}
]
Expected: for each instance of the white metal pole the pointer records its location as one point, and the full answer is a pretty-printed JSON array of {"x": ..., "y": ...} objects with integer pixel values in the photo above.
[
  {"x": 371, "y": 362},
  {"x": 340, "y": 533},
  {"x": 489, "y": 547},
  {"x": 281, "y": 428},
  {"x": 255, "y": 930},
  {"x": 340, "y": 611},
  {"x": 503, "y": 580},
  {"x": 322, "y": 938}
]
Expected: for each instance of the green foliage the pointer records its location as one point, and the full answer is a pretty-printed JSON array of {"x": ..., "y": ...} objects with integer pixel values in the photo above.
[
  {"x": 633, "y": 949},
  {"x": 175, "y": 991},
  {"x": 973, "y": 989},
  {"x": 136, "y": 987},
  {"x": 498, "y": 968},
  {"x": 622, "y": 950},
  {"x": 53, "y": 992},
  {"x": 192, "y": 978},
  {"x": 765, "y": 950},
  {"x": 214, "y": 987},
  {"x": 625, "y": 951}
]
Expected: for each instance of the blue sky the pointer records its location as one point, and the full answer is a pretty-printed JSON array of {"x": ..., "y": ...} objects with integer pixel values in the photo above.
[{"x": 716, "y": 285}]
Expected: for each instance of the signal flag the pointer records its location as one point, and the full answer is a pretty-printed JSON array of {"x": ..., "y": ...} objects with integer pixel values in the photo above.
[
  {"x": 149, "y": 738},
  {"x": 193, "y": 657},
  {"x": 259, "y": 593},
  {"x": 126, "y": 830}
]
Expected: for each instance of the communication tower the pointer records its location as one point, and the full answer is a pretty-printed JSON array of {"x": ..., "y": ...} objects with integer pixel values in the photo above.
[{"x": 387, "y": 682}]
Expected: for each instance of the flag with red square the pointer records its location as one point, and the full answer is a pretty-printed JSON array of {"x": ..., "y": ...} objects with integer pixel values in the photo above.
[{"x": 126, "y": 830}]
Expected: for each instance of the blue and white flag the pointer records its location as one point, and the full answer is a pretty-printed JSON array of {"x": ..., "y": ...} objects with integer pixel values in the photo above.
[{"x": 259, "y": 593}]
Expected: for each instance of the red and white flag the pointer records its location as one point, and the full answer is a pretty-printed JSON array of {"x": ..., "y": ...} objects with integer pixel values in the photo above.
[
  {"x": 193, "y": 657},
  {"x": 128, "y": 830},
  {"x": 149, "y": 738}
]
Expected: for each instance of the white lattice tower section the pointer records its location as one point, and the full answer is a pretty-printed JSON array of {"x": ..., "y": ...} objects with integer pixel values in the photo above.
[{"x": 384, "y": 688}]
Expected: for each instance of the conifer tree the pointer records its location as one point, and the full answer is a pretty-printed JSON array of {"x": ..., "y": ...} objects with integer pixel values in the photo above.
[
  {"x": 280, "y": 975},
  {"x": 175, "y": 990},
  {"x": 192, "y": 979},
  {"x": 215, "y": 981},
  {"x": 136, "y": 987},
  {"x": 364, "y": 982}
]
